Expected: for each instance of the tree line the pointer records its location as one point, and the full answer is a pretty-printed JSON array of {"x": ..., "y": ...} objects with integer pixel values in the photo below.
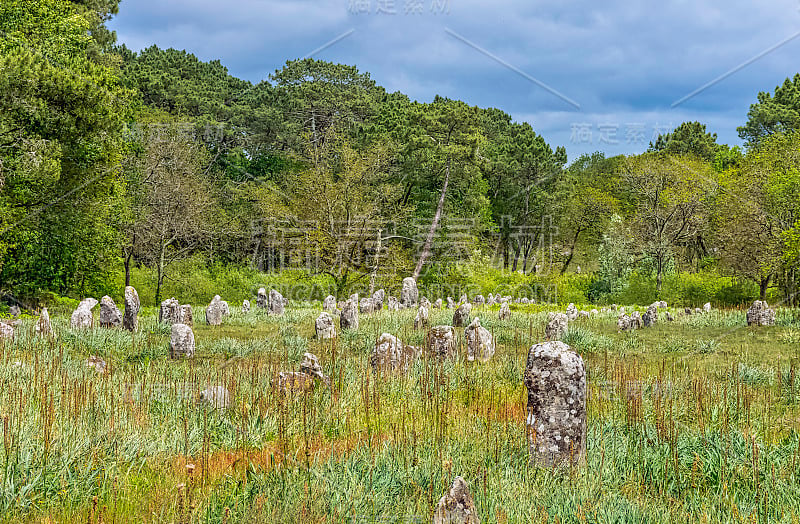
[{"x": 112, "y": 159}]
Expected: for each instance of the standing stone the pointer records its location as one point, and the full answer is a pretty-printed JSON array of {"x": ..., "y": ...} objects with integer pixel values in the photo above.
[
  {"x": 479, "y": 300},
  {"x": 225, "y": 309},
  {"x": 181, "y": 341},
  {"x": 760, "y": 314},
  {"x": 366, "y": 305},
  {"x": 130, "y": 320},
  {"x": 217, "y": 397},
  {"x": 697, "y": 311},
  {"x": 464, "y": 299},
  {"x": 110, "y": 317},
  {"x": 378, "y": 298},
  {"x": 490, "y": 301},
  {"x": 636, "y": 320},
  {"x": 480, "y": 343},
  {"x": 245, "y": 306},
  {"x": 82, "y": 317},
  {"x": 324, "y": 326},
  {"x": 170, "y": 312},
  {"x": 442, "y": 341},
  {"x": 505, "y": 312},
  {"x": 438, "y": 303},
  {"x": 214, "y": 312},
  {"x": 456, "y": 506},
  {"x": 461, "y": 316},
  {"x": 650, "y": 317},
  {"x": 557, "y": 325},
  {"x": 349, "y": 317},
  {"x": 392, "y": 304},
  {"x": 572, "y": 312},
  {"x": 623, "y": 322},
  {"x": 707, "y": 307},
  {"x": 669, "y": 316},
  {"x": 421, "y": 319},
  {"x": 450, "y": 303},
  {"x": 425, "y": 302},
  {"x": 311, "y": 366},
  {"x": 14, "y": 311},
  {"x": 97, "y": 363},
  {"x": 329, "y": 304},
  {"x": 7, "y": 329},
  {"x": 390, "y": 354},
  {"x": 186, "y": 315},
  {"x": 555, "y": 377},
  {"x": 409, "y": 295},
  {"x": 43, "y": 326},
  {"x": 261, "y": 298},
  {"x": 276, "y": 303}
]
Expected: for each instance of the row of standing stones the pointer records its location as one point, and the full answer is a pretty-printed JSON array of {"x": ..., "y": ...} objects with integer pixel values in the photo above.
[{"x": 555, "y": 375}]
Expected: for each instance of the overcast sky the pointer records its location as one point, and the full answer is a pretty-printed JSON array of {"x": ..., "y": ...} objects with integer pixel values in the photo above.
[{"x": 587, "y": 75}]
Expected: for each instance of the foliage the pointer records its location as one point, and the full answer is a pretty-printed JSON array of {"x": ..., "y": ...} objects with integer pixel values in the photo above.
[{"x": 773, "y": 113}]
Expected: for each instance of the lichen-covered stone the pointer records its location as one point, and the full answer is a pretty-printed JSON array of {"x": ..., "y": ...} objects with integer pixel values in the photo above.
[
  {"x": 505, "y": 311},
  {"x": 187, "y": 317},
  {"x": 170, "y": 312},
  {"x": 555, "y": 377},
  {"x": 215, "y": 311},
  {"x": 181, "y": 341},
  {"x": 392, "y": 304},
  {"x": 437, "y": 304},
  {"x": 97, "y": 363},
  {"x": 572, "y": 312},
  {"x": 310, "y": 365},
  {"x": 349, "y": 317},
  {"x": 456, "y": 506},
  {"x": 650, "y": 317},
  {"x": 276, "y": 303},
  {"x": 409, "y": 295},
  {"x": 462, "y": 314},
  {"x": 262, "y": 300},
  {"x": 130, "y": 319},
  {"x": 245, "y": 306},
  {"x": 324, "y": 326},
  {"x": 217, "y": 397},
  {"x": 760, "y": 314},
  {"x": 442, "y": 341},
  {"x": 378, "y": 299},
  {"x": 329, "y": 304},
  {"x": 390, "y": 354},
  {"x": 43, "y": 325},
  {"x": 367, "y": 305},
  {"x": 557, "y": 325},
  {"x": 480, "y": 343},
  {"x": 110, "y": 316},
  {"x": 421, "y": 320},
  {"x": 82, "y": 317}
]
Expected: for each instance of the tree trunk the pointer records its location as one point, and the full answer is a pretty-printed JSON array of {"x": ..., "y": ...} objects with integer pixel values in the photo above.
[
  {"x": 374, "y": 274},
  {"x": 659, "y": 273},
  {"x": 160, "y": 276},
  {"x": 426, "y": 248},
  {"x": 763, "y": 285},
  {"x": 571, "y": 251}
]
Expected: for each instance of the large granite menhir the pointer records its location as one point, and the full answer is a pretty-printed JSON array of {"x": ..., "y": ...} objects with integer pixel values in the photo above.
[{"x": 555, "y": 377}]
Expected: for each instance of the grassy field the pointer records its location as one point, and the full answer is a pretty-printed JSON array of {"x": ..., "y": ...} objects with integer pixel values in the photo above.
[{"x": 695, "y": 420}]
